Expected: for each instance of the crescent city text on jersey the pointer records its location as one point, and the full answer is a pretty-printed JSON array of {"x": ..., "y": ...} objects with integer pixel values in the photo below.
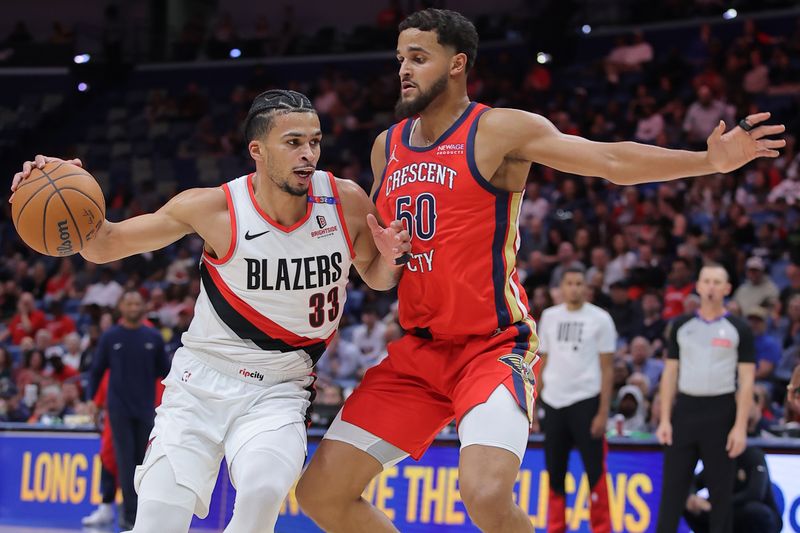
[{"x": 426, "y": 172}]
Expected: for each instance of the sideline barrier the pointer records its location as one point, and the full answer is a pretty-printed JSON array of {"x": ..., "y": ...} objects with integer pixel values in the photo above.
[{"x": 52, "y": 479}]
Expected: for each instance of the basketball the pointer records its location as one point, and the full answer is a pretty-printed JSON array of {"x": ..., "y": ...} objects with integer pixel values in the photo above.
[{"x": 58, "y": 209}]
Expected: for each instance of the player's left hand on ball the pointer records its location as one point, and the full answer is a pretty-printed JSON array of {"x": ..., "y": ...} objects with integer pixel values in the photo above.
[
  {"x": 38, "y": 162},
  {"x": 393, "y": 241}
]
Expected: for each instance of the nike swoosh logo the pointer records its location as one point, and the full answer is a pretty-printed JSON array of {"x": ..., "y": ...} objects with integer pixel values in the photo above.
[{"x": 248, "y": 237}]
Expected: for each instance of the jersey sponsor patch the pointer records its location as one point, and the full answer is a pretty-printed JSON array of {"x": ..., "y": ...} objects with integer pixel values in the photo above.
[
  {"x": 722, "y": 343},
  {"x": 331, "y": 200},
  {"x": 450, "y": 149}
]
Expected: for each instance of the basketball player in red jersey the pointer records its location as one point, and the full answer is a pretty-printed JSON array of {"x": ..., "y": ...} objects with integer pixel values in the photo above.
[{"x": 453, "y": 172}]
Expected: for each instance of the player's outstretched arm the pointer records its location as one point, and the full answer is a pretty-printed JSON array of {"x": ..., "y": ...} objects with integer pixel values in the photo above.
[
  {"x": 534, "y": 138},
  {"x": 376, "y": 248},
  {"x": 183, "y": 214},
  {"x": 152, "y": 231}
]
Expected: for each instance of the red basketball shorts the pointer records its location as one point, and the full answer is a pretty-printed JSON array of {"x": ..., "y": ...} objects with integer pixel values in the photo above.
[{"x": 424, "y": 383}]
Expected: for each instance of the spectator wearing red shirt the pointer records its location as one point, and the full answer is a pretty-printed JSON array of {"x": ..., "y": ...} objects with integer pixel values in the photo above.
[
  {"x": 60, "y": 285},
  {"x": 680, "y": 286},
  {"x": 61, "y": 372},
  {"x": 27, "y": 321},
  {"x": 59, "y": 324}
]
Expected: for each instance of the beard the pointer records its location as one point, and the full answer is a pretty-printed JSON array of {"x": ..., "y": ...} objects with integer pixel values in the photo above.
[
  {"x": 133, "y": 316},
  {"x": 285, "y": 183},
  {"x": 300, "y": 190},
  {"x": 414, "y": 106}
]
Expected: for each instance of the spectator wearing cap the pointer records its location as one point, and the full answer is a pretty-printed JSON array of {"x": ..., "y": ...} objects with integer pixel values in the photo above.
[
  {"x": 768, "y": 351},
  {"x": 758, "y": 289},
  {"x": 27, "y": 321}
]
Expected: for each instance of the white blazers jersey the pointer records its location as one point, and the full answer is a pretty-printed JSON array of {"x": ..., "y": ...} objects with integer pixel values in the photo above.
[{"x": 274, "y": 300}]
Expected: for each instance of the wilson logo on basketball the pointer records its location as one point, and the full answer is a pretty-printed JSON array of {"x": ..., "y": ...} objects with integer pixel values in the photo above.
[{"x": 65, "y": 248}]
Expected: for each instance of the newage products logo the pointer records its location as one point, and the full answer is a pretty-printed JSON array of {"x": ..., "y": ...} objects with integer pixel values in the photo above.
[
  {"x": 253, "y": 374},
  {"x": 450, "y": 149}
]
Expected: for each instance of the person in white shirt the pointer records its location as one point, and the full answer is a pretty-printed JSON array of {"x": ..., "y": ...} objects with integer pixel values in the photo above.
[
  {"x": 72, "y": 354},
  {"x": 577, "y": 344},
  {"x": 105, "y": 293},
  {"x": 368, "y": 337}
]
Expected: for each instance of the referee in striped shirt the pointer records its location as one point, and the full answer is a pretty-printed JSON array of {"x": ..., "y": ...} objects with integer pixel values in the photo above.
[{"x": 705, "y": 353}]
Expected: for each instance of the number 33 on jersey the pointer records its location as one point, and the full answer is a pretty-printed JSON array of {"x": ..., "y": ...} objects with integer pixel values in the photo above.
[{"x": 461, "y": 279}]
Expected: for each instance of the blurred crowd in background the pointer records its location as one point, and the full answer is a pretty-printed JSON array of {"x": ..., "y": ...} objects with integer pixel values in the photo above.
[{"x": 642, "y": 246}]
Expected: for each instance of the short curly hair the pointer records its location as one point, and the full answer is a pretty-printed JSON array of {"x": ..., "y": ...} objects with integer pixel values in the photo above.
[{"x": 452, "y": 29}]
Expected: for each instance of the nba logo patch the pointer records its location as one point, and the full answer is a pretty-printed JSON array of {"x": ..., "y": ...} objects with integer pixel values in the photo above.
[{"x": 321, "y": 222}]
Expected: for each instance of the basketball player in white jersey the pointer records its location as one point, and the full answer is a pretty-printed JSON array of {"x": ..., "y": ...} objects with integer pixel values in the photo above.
[{"x": 278, "y": 248}]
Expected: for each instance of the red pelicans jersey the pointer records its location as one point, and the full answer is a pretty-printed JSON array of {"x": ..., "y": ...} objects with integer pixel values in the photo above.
[
  {"x": 275, "y": 299},
  {"x": 461, "y": 279}
]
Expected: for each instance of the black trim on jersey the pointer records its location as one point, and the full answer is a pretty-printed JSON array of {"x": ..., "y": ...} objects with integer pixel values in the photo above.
[
  {"x": 673, "y": 349},
  {"x": 473, "y": 165},
  {"x": 747, "y": 343},
  {"x": 312, "y": 389},
  {"x": 246, "y": 329}
]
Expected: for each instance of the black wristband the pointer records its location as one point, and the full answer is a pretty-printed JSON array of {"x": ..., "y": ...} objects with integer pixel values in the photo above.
[{"x": 403, "y": 259}]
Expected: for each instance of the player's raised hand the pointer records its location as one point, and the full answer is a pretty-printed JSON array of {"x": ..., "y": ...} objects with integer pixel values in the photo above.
[
  {"x": 393, "y": 241},
  {"x": 745, "y": 142},
  {"x": 38, "y": 162}
]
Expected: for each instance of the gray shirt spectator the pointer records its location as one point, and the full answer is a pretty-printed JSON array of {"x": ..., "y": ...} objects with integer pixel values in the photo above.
[
  {"x": 758, "y": 289},
  {"x": 704, "y": 115}
]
